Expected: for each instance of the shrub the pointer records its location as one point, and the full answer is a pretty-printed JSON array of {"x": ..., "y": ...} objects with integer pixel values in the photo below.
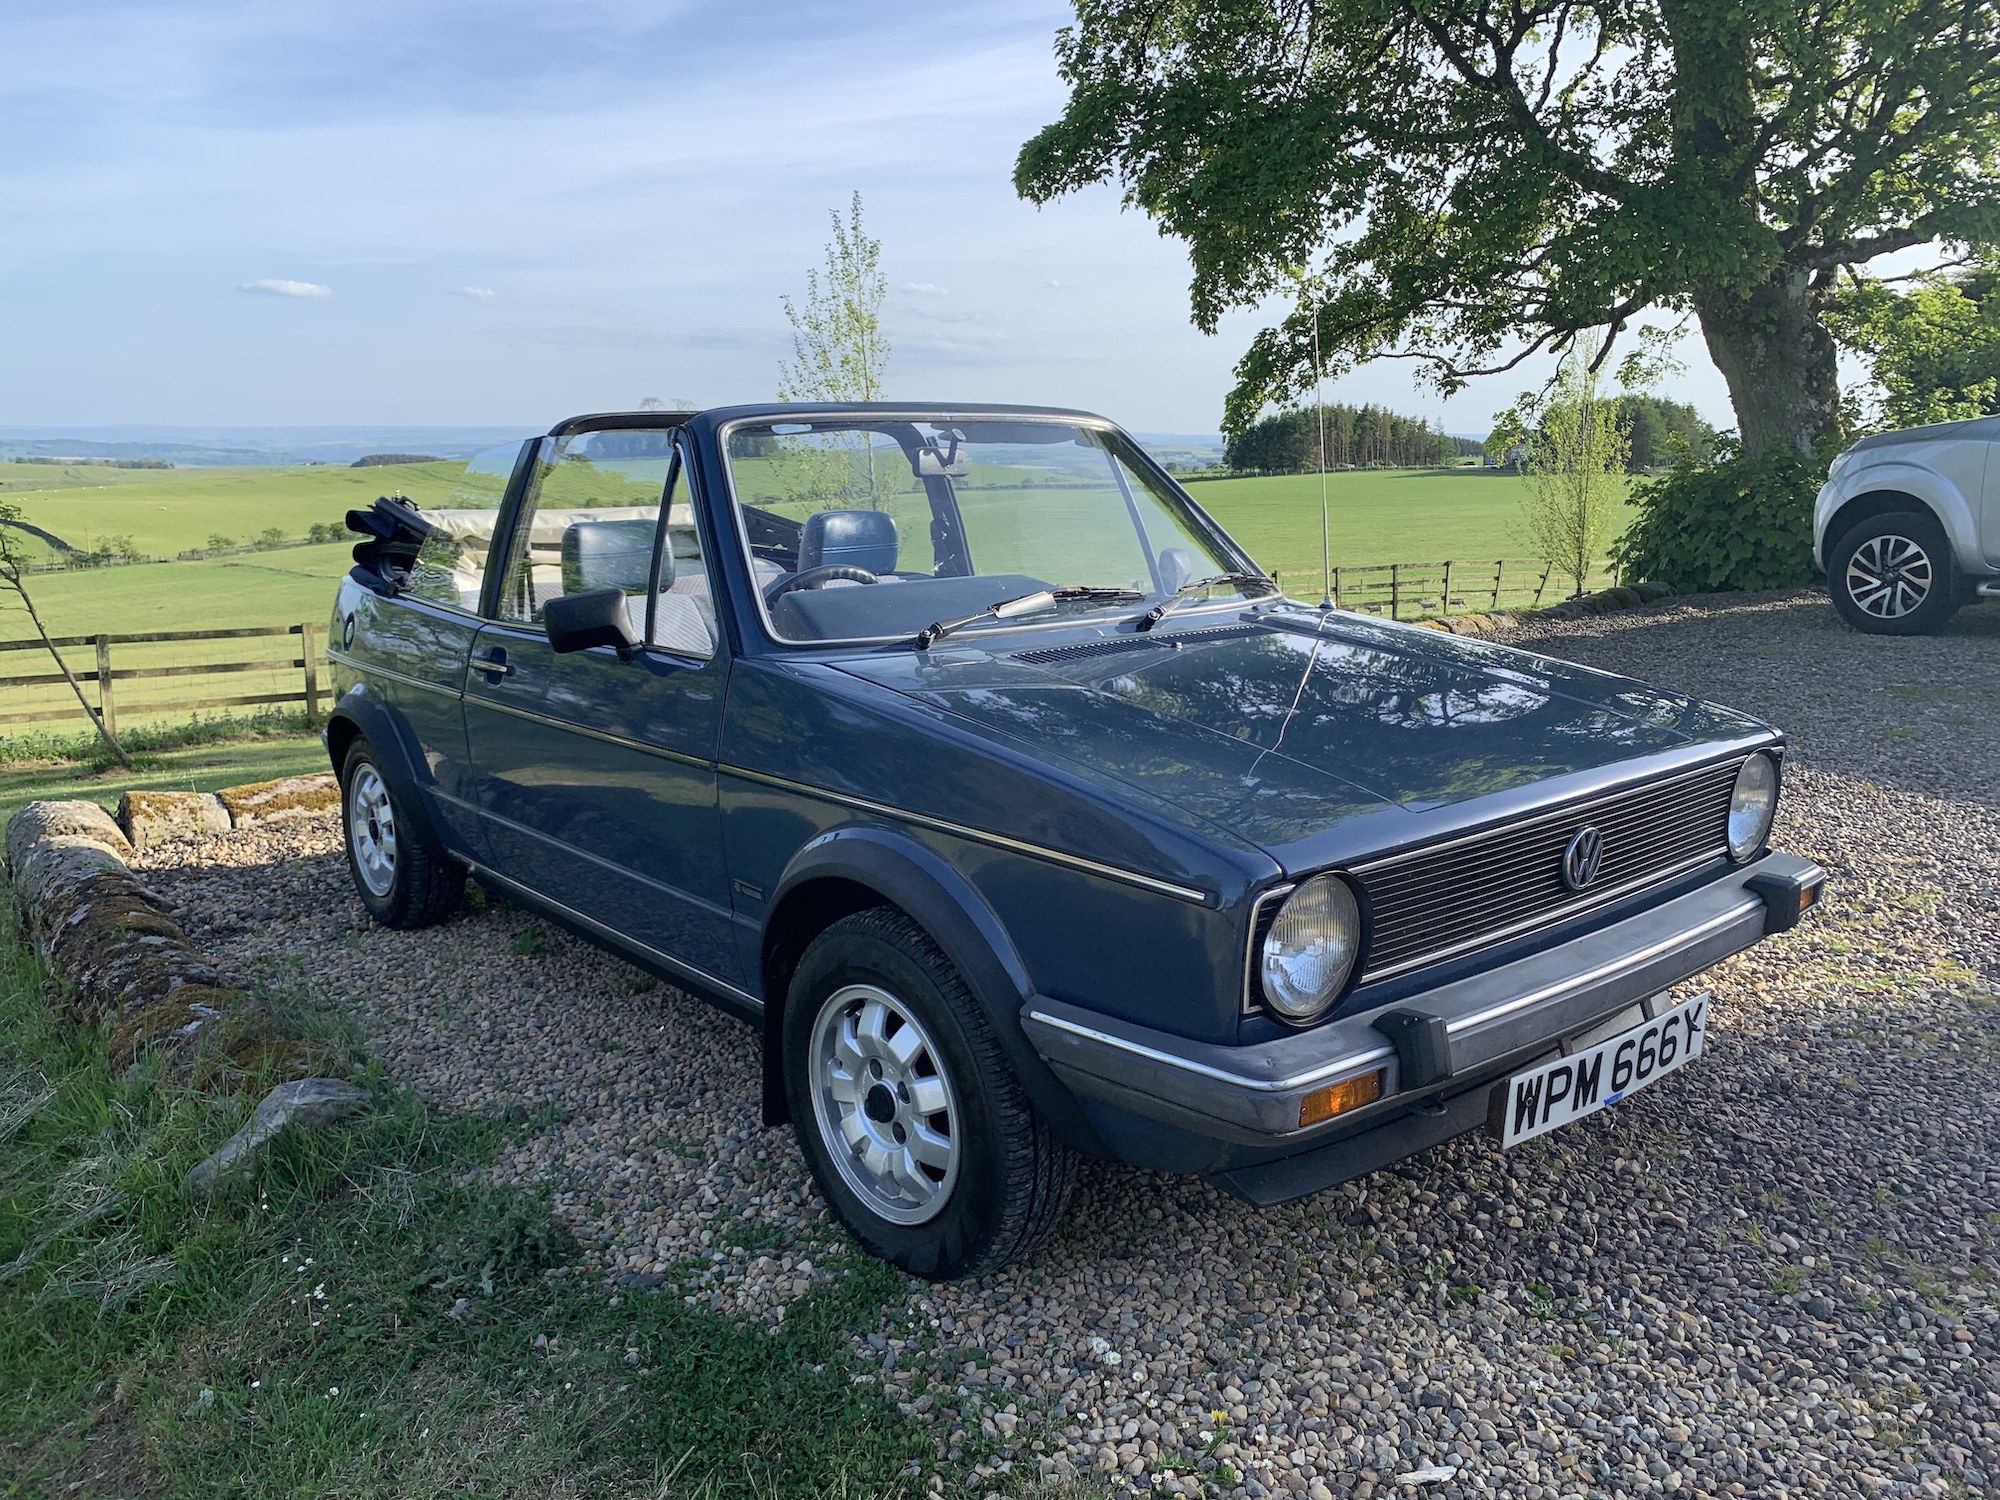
[{"x": 1739, "y": 522}]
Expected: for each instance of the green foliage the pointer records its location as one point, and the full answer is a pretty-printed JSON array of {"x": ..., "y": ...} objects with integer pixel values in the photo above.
[
  {"x": 1356, "y": 437},
  {"x": 1575, "y": 471},
  {"x": 365, "y": 1313},
  {"x": 838, "y": 352},
  {"x": 1935, "y": 349},
  {"x": 1739, "y": 522},
  {"x": 1661, "y": 432},
  {"x": 1463, "y": 182}
]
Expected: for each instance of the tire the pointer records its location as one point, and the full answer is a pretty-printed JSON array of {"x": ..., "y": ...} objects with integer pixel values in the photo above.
[
  {"x": 1893, "y": 575},
  {"x": 873, "y": 997},
  {"x": 399, "y": 868}
]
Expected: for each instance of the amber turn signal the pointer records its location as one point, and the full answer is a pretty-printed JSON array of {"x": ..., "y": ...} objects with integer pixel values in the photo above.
[{"x": 1339, "y": 1098}]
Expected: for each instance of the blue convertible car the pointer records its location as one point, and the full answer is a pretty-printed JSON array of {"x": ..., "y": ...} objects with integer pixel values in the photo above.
[{"x": 958, "y": 750}]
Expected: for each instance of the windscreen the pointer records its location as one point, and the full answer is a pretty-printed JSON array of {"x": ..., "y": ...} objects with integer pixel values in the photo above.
[{"x": 874, "y": 530}]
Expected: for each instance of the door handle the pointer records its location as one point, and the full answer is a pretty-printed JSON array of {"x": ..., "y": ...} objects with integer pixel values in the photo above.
[{"x": 494, "y": 665}]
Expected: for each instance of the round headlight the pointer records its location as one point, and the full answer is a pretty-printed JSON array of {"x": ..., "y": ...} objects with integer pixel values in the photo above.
[
  {"x": 1752, "y": 806},
  {"x": 1311, "y": 947}
]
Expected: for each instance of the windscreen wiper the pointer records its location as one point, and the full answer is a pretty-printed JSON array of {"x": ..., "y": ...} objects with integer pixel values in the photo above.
[
  {"x": 1026, "y": 604},
  {"x": 1166, "y": 607}
]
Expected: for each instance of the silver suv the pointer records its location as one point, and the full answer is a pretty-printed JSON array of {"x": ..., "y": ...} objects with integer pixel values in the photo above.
[{"x": 1907, "y": 526}]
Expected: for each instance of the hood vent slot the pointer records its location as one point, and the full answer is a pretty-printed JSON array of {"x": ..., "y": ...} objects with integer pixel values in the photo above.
[{"x": 1118, "y": 645}]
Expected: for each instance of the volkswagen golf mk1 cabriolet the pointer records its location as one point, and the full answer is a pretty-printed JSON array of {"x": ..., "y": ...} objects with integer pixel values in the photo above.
[{"x": 961, "y": 752}]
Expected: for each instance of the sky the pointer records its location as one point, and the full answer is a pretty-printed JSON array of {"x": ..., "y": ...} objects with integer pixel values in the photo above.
[{"x": 497, "y": 213}]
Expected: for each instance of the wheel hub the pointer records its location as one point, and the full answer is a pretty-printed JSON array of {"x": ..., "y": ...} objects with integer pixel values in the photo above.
[
  {"x": 371, "y": 830},
  {"x": 885, "y": 1109},
  {"x": 1889, "y": 576}
]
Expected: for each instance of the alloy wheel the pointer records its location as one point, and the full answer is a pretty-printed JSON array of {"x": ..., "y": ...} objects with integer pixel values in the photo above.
[
  {"x": 371, "y": 829},
  {"x": 884, "y": 1104},
  {"x": 1889, "y": 576}
]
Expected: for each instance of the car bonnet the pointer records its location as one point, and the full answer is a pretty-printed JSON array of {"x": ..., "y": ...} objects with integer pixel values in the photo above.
[{"x": 1279, "y": 724}]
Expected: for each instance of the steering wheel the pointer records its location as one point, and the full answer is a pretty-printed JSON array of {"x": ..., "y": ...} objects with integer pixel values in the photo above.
[{"x": 820, "y": 577}]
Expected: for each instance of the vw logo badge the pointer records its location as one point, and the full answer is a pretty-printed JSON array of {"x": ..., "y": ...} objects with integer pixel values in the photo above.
[{"x": 1582, "y": 858}]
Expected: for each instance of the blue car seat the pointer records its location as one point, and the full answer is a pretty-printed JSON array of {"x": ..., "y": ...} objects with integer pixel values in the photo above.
[{"x": 855, "y": 538}]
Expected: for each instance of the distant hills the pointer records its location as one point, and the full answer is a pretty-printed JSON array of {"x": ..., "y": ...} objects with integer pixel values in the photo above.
[{"x": 223, "y": 447}]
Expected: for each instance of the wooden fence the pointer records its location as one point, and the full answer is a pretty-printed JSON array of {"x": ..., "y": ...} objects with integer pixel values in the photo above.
[
  {"x": 1408, "y": 591},
  {"x": 119, "y": 664}
]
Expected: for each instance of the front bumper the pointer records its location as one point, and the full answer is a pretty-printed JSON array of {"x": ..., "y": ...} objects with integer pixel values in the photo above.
[{"x": 1495, "y": 1021}]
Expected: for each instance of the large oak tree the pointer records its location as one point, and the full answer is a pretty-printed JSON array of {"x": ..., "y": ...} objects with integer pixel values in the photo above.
[{"x": 1463, "y": 183}]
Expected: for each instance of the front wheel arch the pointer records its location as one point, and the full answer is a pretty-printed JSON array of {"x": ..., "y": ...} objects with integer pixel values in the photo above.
[{"x": 853, "y": 869}]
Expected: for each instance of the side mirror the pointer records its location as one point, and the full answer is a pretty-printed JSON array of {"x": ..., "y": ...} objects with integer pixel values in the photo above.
[{"x": 576, "y": 622}]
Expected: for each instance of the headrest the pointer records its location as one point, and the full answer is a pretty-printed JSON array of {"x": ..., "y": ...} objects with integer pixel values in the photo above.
[
  {"x": 857, "y": 538},
  {"x": 610, "y": 555}
]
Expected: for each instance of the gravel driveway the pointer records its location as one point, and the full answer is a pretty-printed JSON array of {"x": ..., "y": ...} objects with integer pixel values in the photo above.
[{"x": 1772, "y": 1274}]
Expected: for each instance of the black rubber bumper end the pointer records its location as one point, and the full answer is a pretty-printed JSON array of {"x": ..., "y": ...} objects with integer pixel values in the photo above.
[
  {"x": 1423, "y": 1047},
  {"x": 1789, "y": 897}
]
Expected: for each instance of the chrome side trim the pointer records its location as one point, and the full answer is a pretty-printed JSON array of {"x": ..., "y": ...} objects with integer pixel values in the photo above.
[
  {"x": 393, "y": 675},
  {"x": 1355, "y": 1062},
  {"x": 577, "y": 852},
  {"x": 981, "y": 836},
  {"x": 620, "y": 940},
  {"x": 572, "y": 727},
  {"x": 1546, "y": 918}
]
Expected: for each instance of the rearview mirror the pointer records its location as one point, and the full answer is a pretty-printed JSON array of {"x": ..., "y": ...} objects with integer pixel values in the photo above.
[
  {"x": 597, "y": 617},
  {"x": 950, "y": 462}
]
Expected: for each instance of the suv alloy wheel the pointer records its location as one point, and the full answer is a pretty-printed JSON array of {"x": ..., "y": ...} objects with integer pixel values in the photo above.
[
  {"x": 1892, "y": 575},
  {"x": 918, "y": 1133}
]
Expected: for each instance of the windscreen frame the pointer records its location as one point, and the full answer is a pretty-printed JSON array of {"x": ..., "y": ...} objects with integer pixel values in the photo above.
[{"x": 1119, "y": 447}]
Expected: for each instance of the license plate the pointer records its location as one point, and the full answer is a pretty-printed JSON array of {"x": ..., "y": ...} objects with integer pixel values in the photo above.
[{"x": 1598, "y": 1076}]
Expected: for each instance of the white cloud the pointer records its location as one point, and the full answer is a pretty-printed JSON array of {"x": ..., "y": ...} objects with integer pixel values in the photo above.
[
  {"x": 278, "y": 286},
  {"x": 477, "y": 293},
  {"x": 924, "y": 289}
]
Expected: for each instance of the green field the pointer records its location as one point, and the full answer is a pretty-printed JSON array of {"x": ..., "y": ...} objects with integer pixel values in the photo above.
[
  {"x": 1374, "y": 515},
  {"x": 165, "y": 511},
  {"x": 1377, "y": 516}
]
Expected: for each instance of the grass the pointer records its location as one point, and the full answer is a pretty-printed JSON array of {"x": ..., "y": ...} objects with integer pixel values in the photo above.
[
  {"x": 164, "y": 760},
  {"x": 284, "y": 587},
  {"x": 361, "y": 1315},
  {"x": 173, "y": 510},
  {"x": 1377, "y": 515},
  {"x": 1374, "y": 516}
]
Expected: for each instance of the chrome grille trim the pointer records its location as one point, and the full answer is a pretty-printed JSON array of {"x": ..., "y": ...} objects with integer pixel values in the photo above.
[{"x": 1433, "y": 903}]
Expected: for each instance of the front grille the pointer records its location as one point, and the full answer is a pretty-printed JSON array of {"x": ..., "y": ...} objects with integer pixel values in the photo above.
[{"x": 1431, "y": 903}]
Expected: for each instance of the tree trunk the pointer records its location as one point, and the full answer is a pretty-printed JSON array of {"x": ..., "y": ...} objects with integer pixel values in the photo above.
[{"x": 1778, "y": 358}]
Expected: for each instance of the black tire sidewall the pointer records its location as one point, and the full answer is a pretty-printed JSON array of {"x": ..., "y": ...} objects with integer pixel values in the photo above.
[
  {"x": 415, "y": 854},
  {"x": 956, "y": 1238},
  {"x": 1941, "y": 603}
]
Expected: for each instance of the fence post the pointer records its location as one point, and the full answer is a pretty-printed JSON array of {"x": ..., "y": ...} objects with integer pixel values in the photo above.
[
  {"x": 107, "y": 709},
  {"x": 1540, "y": 587},
  {"x": 1447, "y": 585},
  {"x": 1395, "y": 591},
  {"x": 309, "y": 655},
  {"x": 1499, "y": 567},
  {"x": 1336, "y": 588}
]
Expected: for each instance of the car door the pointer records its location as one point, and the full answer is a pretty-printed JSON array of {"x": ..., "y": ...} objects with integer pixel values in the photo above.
[
  {"x": 412, "y": 649},
  {"x": 596, "y": 773}
]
